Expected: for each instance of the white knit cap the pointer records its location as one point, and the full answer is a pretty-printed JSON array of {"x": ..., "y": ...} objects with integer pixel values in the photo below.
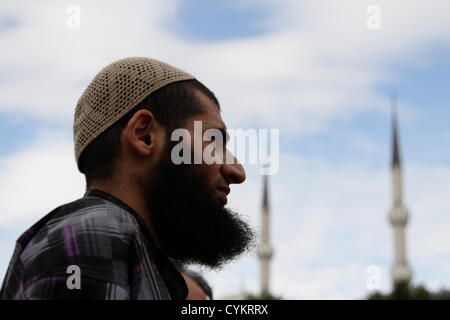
[{"x": 114, "y": 91}]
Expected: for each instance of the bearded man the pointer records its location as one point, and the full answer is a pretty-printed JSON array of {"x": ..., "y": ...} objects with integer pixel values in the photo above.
[{"x": 142, "y": 211}]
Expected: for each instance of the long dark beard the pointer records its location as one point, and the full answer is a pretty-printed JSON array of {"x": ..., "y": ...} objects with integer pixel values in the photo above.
[{"x": 191, "y": 225}]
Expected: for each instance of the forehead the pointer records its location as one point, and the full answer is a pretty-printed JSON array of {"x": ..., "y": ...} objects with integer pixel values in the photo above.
[{"x": 210, "y": 115}]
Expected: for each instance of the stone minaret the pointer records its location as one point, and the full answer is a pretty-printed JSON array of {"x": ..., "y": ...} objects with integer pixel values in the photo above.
[
  {"x": 398, "y": 216},
  {"x": 265, "y": 250}
]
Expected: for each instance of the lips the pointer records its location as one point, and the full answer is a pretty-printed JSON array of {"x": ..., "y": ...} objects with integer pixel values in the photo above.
[{"x": 225, "y": 189}]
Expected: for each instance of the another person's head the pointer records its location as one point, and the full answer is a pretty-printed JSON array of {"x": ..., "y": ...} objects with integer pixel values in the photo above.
[
  {"x": 198, "y": 288},
  {"x": 133, "y": 150}
]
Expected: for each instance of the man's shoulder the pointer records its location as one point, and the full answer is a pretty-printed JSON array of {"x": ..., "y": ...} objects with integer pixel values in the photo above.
[
  {"x": 86, "y": 223},
  {"x": 92, "y": 233},
  {"x": 94, "y": 214}
]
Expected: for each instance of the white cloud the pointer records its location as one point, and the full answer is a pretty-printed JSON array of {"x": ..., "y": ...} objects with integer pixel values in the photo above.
[
  {"x": 39, "y": 178},
  {"x": 319, "y": 62}
]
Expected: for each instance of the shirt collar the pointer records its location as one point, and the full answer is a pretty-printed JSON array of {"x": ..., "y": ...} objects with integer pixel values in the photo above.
[{"x": 172, "y": 278}]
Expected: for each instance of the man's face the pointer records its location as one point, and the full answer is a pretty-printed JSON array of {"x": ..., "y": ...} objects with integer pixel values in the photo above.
[
  {"x": 187, "y": 203},
  {"x": 219, "y": 176}
]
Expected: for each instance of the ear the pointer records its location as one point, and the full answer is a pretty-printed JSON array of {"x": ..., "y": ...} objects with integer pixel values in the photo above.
[{"x": 140, "y": 133}]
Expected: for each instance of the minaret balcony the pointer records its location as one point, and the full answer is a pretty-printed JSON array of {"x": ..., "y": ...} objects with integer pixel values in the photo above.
[
  {"x": 265, "y": 251},
  {"x": 401, "y": 273},
  {"x": 398, "y": 216}
]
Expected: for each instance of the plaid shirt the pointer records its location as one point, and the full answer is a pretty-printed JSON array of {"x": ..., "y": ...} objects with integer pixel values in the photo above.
[{"x": 107, "y": 240}]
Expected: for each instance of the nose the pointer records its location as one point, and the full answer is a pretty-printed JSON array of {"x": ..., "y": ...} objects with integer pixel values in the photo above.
[{"x": 233, "y": 172}]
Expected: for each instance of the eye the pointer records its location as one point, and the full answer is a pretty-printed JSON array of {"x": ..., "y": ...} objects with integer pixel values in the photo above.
[{"x": 215, "y": 139}]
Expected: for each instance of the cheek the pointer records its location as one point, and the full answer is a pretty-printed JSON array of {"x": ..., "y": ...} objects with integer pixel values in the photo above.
[{"x": 211, "y": 174}]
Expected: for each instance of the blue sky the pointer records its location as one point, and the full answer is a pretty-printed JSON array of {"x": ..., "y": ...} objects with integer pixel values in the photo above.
[
  {"x": 266, "y": 62},
  {"x": 219, "y": 20}
]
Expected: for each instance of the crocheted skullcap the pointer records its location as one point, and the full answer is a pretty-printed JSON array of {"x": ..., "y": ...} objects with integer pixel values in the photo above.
[{"x": 114, "y": 91}]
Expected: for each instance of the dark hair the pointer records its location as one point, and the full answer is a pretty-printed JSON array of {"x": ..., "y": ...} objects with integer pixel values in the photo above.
[
  {"x": 171, "y": 105},
  {"x": 202, "y": 283}
]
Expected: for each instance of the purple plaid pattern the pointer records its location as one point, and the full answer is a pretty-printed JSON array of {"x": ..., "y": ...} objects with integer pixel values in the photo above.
[{"x": 107, "y": 240}]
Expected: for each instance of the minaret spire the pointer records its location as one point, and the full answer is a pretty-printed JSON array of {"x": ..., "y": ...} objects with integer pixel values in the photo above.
[
  {"x": 398, "y": 215},
  {"x": 395, "y": 146},
  {"x": 265, "y": 250}
]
